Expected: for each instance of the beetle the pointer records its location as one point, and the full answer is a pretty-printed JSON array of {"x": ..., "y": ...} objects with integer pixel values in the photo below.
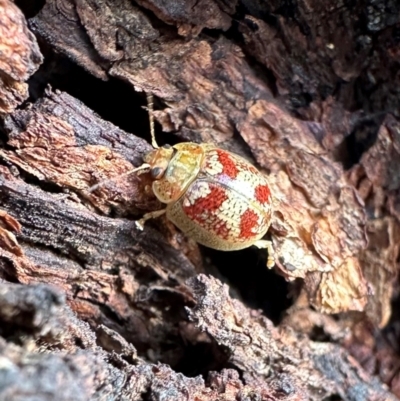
[{"x": 215, "y": 197}]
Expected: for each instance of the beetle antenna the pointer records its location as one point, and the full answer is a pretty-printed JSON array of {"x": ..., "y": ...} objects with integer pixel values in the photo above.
[
  {"x": 144, "y": 166},
  {"x": 150, "y": 108}
]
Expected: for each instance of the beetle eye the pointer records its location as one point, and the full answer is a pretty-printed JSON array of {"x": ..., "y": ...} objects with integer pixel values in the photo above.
[
  {"x": 156, "y": 172},
  {"x": 167, "y": 146}
]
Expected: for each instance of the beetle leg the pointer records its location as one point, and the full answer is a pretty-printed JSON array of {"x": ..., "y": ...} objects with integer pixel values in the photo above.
[
  {"x": 263, "y": 244},
  {"x": 148, "y": 216}
]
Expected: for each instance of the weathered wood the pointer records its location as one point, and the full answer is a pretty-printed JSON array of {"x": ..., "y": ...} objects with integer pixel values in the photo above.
[
  {"x": 322, "y": 237},
  {"x": 293, "y": 110},
  {"x": 20, "y": 56}
]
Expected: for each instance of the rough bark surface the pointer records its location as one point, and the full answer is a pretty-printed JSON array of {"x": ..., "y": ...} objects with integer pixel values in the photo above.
[
  {"x": 19, "y": 57},
  {"x": 93, "y": 308}
]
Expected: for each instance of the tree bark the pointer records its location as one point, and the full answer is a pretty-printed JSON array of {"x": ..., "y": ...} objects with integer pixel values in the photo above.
[{"x": 93, "y": 308}]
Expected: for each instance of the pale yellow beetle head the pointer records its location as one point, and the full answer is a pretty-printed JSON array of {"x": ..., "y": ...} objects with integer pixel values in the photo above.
[
  {"x": 158, "y": 159},
  {"x": 173, "y": 169}
]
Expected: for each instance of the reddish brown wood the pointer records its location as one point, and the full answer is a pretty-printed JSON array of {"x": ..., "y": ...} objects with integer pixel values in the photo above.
[{"x": 305, "y": 91}]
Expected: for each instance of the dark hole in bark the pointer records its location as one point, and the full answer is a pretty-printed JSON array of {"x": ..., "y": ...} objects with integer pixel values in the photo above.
[
  {"x": 318, "y": 334},
  {"x": 30, "y": 8},
  {"x": 361, "y": 138},
  {"x": 259, "y": 287},
  {"x": 391, "y": 332},
  {"x": 201, "y": 358},
  {"x": 114, "y": 100},
  {"x": 333, "y": 398}
]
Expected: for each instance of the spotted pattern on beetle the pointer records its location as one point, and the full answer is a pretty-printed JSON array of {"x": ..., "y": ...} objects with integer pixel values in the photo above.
[
  {"x": 213, "y": 196},
  {"x": 217, "y": 212},
  {"x": 239, "y": 175},
  {"x": 229, "y": 187}
]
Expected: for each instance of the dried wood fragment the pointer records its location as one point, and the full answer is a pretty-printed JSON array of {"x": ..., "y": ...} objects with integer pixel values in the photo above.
[
  {"x": 60, "y": 141},
  {"x": 377, "y": 177},
  {"x": 186, "y": 75},
  {"x": 265, "y": 354},
  {"x": 305, "y": 108},
  {"x": 20, "y": 56}
]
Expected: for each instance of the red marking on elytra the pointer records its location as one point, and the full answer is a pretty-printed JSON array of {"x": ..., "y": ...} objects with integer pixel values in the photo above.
[
  {"x": 248, "y": 221},
  {"x": 208, "y": 204},
  {"x": 228, "y": 165},
  {"x": 221, "y": 229},
  {"x": 262, "y": 193}
]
